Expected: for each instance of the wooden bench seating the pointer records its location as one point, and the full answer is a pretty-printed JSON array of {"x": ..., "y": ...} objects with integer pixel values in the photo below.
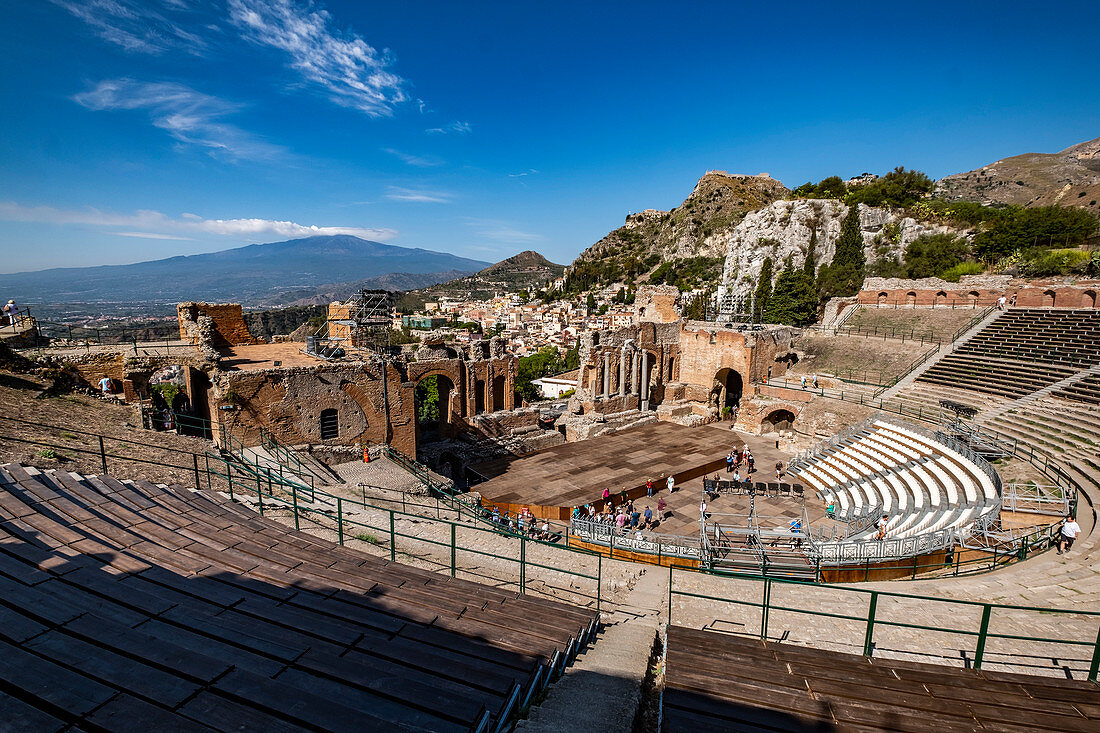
[
  {"x": 188, "y": 612},
  {"x": 722, "y": 682}
]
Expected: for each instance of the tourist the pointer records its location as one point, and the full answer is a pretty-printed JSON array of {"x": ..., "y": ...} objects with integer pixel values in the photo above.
[
  {"x": 620, "y": 519},
  {"x": 729, "y": 462},
  {"x": 796, "y": 531},
  {"x": 736, "y": 477},
  {"x": 882, "y": 527},
  {"x": 1067, "y": 533},
  {"x": 662, "y": 505},
  {"x": 648, "y": 514},
  {"x": 496, "y": 515},
  {"x": 606, "y": 495},
  {"x": 1012, "y": 301},
  {"x": 779, "y": 470},
  {"x": 520, "y": 522},
  {"x": 622, "y": 496},
  {"x": 545, "y": 536},
  {"x": 106, "y": 386},
  {"x": 11, "y": 310},
  {"x": 830, "y": 509},
  {"x": 703, "y": 511},
  {"x": 649, "y": 487},
  {"x": 802, "y": 379},
  {"x": 815, "y": 381},
  {"x": 751, "y": 461},
  {"x": 1001, "y": 303},
  {"x": 671, "y": 483},
  {"x": 635, "y": 518}
]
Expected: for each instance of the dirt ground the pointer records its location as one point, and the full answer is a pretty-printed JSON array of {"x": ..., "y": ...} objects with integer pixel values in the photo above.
[
  {"x": 63, "y": 436},
  {"x": 936, "y": 322},
  {"x": 854, "y": 358}
]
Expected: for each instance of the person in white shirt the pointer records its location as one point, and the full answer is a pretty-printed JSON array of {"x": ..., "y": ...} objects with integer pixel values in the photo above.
[
  {"x": 1068, "y": 533},
  {"x": 1001, "y": 302},
  {"x": 671, "y": 484}
]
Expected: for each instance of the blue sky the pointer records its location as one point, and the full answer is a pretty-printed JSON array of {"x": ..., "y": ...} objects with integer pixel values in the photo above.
[{"x": 139, "y": 129}]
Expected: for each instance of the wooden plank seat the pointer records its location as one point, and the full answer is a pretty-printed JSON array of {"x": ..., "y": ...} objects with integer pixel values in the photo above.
[
  {"x": 181, "y": 610},
  {"x": 716, "y": 681}
]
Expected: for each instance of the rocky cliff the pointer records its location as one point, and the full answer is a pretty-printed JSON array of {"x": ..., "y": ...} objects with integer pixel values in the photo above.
[
  {"x": 783, "y": 229},
  {"x": 1068, "y": 178},
  {"x": 698, "y": 228}
]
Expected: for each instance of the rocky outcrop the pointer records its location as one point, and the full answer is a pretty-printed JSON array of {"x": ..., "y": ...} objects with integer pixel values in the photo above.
[{"x": 783, "y": 229}]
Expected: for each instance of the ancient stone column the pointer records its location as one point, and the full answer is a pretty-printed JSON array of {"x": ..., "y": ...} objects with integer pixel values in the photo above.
[
  {"x": 606, "y": 375},
  {"x": 623, "y": 366},
  {"x": 635, "y": 372},
  {"x": 645, "y": 376}
]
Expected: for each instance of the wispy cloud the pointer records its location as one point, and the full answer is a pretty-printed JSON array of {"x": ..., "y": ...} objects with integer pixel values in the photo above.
[
  {"x": 155, "y": 225},
  {"x": 187, "y": 115},
  {"x": 418, "y": 195},
  {"x": 141, "y": 26},
  {"x": 456, "y": 127},
  {"x": 152, "y": 235},
  {"x": 350, "y": 70},
  {"x": 528, "y": 172},
  {"x": 420, "y": 161},
  {"x": 501, "y": 231}
]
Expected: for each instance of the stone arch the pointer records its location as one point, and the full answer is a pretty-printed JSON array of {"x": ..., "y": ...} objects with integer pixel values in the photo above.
[
  {"x": 1088, "y": 299},
  {"x": 499, "y": 384},
  {"x": 727, "y": 389},
  {"x": 1048, "y": 298},
  {"x": 941, "y": 298},
  {"x": 972, "y": 298},
  {"x": 911, "y": 298},
  {"x": 434, "y": 417},
  {"x": 781, "y": 419},
  {"x": 882, "y": 297},
  {"x": 479, "y": 396}
]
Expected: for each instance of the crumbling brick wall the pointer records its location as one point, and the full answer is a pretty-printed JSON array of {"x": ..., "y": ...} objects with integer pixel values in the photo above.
[
  {"x": 980, "y": 292},
  {"x": 214, "y": 324}
]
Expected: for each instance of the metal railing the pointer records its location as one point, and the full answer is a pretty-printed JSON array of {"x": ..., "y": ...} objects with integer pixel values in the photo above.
[
  {"x": 633, "y": 540},
  {"x": 901, "y": 605},
  {"x": 1036, "y": 498}
]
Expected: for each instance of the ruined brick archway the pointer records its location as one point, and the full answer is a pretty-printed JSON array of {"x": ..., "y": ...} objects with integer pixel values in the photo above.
[{"x": 727, "y": 389}]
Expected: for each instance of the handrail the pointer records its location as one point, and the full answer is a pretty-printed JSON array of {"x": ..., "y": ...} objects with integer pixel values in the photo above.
[
  {"x": 870, "y": 620},
  {"x": 908, "y": 370}
]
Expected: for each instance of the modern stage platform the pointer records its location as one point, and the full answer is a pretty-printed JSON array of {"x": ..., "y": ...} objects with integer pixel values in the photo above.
[{"x": 551, "y": 482}]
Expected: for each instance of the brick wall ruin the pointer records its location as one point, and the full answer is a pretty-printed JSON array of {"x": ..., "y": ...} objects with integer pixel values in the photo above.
[
  {"x": 980, "y": 292},
  {"x": 214, "y": 324}
]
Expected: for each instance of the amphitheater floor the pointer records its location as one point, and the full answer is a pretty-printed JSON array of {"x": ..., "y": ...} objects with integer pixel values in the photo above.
[{"x": 576, "y": 473}]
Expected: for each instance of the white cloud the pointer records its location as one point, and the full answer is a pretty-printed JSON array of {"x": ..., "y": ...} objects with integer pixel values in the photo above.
[
  {"x": 154, "y": 224},
  {"x": 456, "y": 127},
  {"x": 141, "y": 26},
  {"x": 349, "y": 69},
  {"x": 528, "y": 172},
  {"x": 420, "y": 161},
  {"x": 503, "y": 232},
  {"x": 418, "y": 195},
  {"x": 187, "y": 115},
  {"x": 151, "y": 235}
]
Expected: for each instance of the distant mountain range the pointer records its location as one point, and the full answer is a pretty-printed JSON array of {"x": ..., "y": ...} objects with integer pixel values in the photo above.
[
  {"x": 295, "y": 271},
  {"x": 525, "y": 271}
]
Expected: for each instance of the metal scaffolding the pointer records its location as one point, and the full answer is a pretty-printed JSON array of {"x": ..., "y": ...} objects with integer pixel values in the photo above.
[{"x": 360, "y": 324}]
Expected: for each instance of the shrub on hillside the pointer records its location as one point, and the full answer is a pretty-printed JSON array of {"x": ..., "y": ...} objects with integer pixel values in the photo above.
[
  {"x": 1016, "y": 228},
  {"x": 932, "y": 255},
  {"x": 954, "y": 274},
  {"x": 898, "y": 188},
  {"x": 1057, "y": 262}
]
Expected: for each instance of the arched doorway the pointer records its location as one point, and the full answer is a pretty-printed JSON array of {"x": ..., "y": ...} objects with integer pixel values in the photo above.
[
  {"x": 433, "y": 405},
  {"x": 911, "y": 298},
  {"x": 498, "y": 392},
  {"x": 1048, "y": 298},
  {"x": 781, "y": 419},
  {"x": 1088, "y": 299},
  {"x": 882, "y": 298},
  {"x": 727, "y": 389},
  {"x": 941, "y": 298},
  {"x": 972, "y": 298},
  {"x": 479, "y": 396}
]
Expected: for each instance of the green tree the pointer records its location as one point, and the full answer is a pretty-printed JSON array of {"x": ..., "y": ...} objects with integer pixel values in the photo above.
[
  {"x": 931, "y": 255},
  {"x": 590, "y": 303},
  {"x": 898, "y": 188},
  {"x": 542, "y": 363},
  {"x": 844, "y": 275},
  {"x": 794, "y": 300},
  {"x": 810, "y": 267},
  {"x": 427, "y": 399},
  {"x": 763, "y": 290},
  {"x": 1017, "y": 228}
]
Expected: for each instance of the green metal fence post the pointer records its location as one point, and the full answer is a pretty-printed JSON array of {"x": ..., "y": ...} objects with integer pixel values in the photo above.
[
  {"x": 1095, "y": 666},
  {"x": 340, "y": 519},
  {"x": 982, "y": 635},
  {"x": 452, "y": 549},
  {"x": 102, "y": 455},
  {"x": 259, "y": 499},
  {"x": 195, "y": 457},
  {"x": 522, "y": 565},
  {"x": 599, "y": 589},
  {"x": 294, "y": 498},
  {"x": 229, "y": 475},
  {"x": 869, "y": 636},
  {"x": 765, "y": 607},
  {"x": 393, "y": 537},
  {"x": 669, "y": 619}
]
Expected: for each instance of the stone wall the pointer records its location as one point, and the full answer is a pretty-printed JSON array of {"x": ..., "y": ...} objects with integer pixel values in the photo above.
[
  {"x": 980, "y": 292},
  {"x": 709, "y": 352},
  {"x": 214, "y": 324},
  {"x": 656, "y": 304}
]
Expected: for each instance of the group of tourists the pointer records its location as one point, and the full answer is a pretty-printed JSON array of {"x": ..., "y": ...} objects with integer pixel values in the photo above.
[
  {"x": 811, "y": 380},
  {"x": 523, "y": 523},
  {"x": 626, "y": 517},
  {"x": 735, "y": 459}
]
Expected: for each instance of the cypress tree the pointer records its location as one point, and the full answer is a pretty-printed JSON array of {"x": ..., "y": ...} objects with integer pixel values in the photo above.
[
  {"x": 763, "y": 290},
  {"x": 810, "y": 268},
  {"x": 794, "y": 300},
  {"x": 844, "y": 276}
]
